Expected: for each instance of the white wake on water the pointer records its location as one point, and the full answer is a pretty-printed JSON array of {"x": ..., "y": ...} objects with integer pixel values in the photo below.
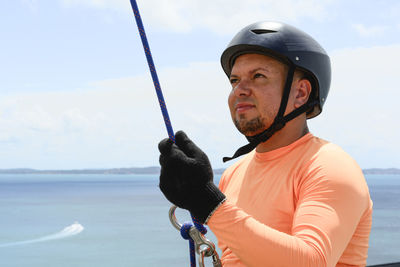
[{"x": 68, "y": 231}]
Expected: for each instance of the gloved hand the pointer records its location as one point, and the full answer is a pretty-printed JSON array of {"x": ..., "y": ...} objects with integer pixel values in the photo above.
[{"x": 186, "y": 177}]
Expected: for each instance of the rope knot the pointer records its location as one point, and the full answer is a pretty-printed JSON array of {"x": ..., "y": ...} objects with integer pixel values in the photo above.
[{"x": 185, "y": 230}]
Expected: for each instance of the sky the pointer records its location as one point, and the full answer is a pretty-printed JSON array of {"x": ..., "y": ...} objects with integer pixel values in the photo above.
[{"x": 76, "y": 93}]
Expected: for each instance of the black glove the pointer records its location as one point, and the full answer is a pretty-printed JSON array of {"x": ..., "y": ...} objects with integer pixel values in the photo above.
[{"x": 186, "y": 177}]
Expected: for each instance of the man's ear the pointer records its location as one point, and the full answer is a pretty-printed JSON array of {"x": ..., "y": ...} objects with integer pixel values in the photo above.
[{"x": 302, "y": 92}]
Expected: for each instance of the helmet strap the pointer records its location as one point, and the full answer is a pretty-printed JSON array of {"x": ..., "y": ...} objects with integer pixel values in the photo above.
[{"x": 279, "y": 121}]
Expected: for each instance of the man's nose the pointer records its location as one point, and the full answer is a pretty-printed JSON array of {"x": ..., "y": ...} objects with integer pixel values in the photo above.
[{"x": 242, "y": 88}]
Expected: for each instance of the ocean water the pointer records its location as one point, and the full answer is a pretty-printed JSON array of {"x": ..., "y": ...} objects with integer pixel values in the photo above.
[{"x": 122, "y": 220}]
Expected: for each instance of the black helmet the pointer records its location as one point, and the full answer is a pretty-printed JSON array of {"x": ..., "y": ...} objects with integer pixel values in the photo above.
[
  {"x": 288, "y": 44},
  {"x": 296, "y": 49}
]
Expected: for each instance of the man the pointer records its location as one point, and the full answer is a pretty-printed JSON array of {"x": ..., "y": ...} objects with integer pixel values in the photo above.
[{"x": 294, "y": 200}]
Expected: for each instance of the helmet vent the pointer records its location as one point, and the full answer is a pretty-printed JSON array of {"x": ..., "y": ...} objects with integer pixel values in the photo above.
[{"x": 262, "y": 31}]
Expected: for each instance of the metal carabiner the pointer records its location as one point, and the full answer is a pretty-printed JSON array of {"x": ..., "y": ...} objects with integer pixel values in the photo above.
[
  {"x": 215, "y": 258},
  {"x": 203, "y": 246},
  {"x": 172, "y": 218}
]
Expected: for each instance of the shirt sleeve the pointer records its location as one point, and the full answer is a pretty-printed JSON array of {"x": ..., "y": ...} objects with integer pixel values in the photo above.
[{"x": 330, "y": 204}]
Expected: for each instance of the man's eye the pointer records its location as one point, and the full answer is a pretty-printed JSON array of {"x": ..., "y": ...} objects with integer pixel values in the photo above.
[
  {"x": 233, "y": 80},
  {"x": 258, "y": 75}
]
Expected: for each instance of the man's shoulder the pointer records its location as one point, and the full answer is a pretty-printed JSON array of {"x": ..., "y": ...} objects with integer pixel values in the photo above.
[
  {"x": 329, "y": 150},
  {"x": 319, "y": 147},
  {"x": 331, "y": 161},
  {"x": 318, "y": 158}
]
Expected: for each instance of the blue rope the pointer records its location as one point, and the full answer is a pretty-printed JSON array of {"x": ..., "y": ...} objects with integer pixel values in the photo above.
[
  {"x": 164, "y": 111},
  {"x": 153, "y": 71},
  {"x": 185, "y": 235}
]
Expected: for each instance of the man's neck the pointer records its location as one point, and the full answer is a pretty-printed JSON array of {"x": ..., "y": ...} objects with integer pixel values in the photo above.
[{"x": 289, "y": 134}]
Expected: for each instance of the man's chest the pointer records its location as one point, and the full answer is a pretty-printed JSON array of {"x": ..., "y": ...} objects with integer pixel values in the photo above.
[{"x": 268, "y": 198}]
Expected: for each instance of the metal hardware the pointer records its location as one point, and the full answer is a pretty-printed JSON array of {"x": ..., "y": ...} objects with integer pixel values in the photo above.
[{"x": 203, "y": 246}]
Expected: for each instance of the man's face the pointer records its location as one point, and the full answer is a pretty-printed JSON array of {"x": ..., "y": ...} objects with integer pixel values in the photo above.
[{"x": 257, "y": 86}]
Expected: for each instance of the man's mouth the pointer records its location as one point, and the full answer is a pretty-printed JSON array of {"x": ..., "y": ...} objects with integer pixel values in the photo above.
[{"x": 243, "y": 107}]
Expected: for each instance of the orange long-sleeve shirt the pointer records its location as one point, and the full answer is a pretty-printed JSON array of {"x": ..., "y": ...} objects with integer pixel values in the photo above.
[{"x": 306, "y": 204}]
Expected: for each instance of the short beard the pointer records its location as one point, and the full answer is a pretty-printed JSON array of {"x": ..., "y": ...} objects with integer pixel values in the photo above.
[{"x": 251, "y": 127}]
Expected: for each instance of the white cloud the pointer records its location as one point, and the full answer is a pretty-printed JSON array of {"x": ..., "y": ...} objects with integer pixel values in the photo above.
[
  {"x": 361, "y": 112},
  {"x": 370, "y": 31},
  {"x": 117, "y": 122},
  {"x": 220, "y": 16}
]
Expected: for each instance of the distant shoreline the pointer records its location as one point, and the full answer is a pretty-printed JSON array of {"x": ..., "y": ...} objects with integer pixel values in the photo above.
[
  {"x": 393, "y": 171},
  {"x": 150, "y": 170}
]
